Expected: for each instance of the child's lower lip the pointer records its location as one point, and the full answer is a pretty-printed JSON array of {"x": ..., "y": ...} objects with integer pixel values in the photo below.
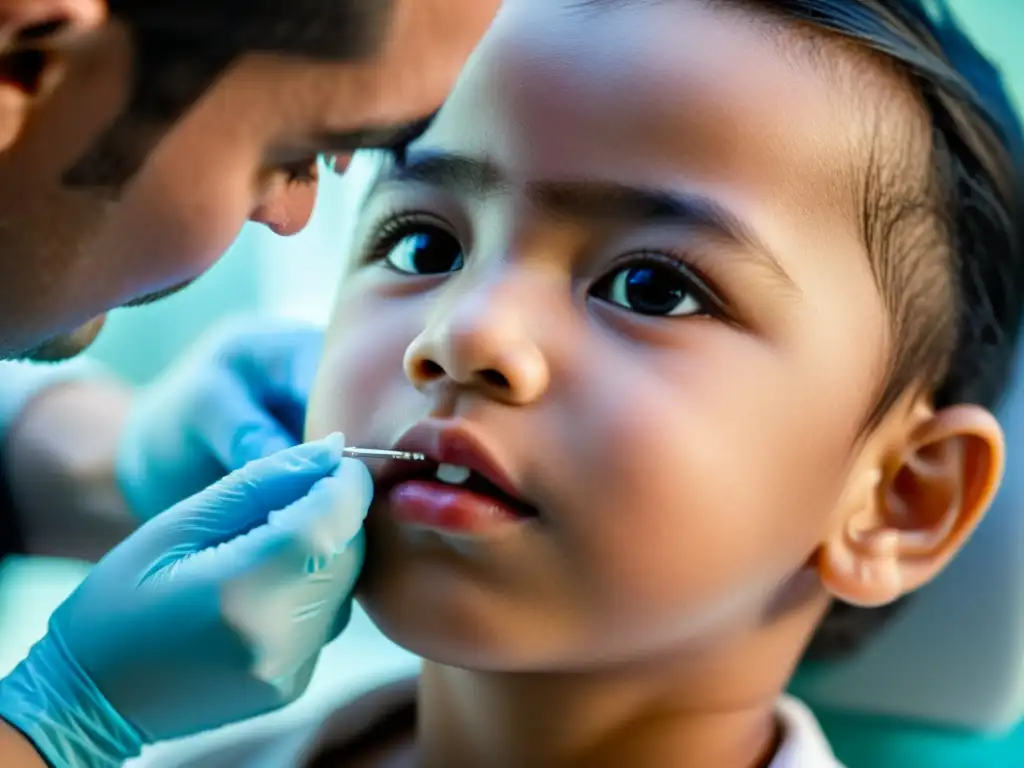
[{"x": 441, "y": 507}]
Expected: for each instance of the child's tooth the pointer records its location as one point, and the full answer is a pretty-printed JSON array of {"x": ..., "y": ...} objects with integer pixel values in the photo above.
[{"x": 452, "y": 474}]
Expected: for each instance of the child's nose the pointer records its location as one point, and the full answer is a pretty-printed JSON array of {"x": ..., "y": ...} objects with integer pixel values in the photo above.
[{"x": 482, "y": 342}]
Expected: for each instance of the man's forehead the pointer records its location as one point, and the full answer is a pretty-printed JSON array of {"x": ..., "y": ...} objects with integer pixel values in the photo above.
[{"x": 182, "y": 47}]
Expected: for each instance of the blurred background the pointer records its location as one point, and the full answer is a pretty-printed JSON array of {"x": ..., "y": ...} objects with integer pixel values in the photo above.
[{"x": 296, "y": 278}]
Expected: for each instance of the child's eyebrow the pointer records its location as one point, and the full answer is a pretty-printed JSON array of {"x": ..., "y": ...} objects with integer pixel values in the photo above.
[{"x": 591, "y": 200}]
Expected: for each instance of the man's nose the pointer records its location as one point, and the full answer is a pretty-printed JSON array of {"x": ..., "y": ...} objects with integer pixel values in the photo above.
[
  {"x": 482, "y": 340},
  {"x": 286, "y": 207}
]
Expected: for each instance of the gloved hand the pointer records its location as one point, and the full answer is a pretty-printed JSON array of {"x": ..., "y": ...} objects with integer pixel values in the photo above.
[
  {"x": 239, "y": 395},
  {"x": 212, "y": 612}
]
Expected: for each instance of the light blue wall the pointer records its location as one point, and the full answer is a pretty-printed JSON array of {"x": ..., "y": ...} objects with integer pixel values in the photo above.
[{"x": 998, "y": 27}]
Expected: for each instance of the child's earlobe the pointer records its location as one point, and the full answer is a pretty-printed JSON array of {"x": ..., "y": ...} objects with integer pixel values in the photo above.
[{"x": 918, "y": 510}]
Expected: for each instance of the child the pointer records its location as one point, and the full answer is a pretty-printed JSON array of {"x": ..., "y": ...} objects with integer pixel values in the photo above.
[{"x": 698, "y": 309}]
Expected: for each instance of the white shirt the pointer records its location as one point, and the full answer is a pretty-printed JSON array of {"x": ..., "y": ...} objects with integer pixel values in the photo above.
[
  {"x": 803, "y": 746},
  {"x": 803, "y": 743}
]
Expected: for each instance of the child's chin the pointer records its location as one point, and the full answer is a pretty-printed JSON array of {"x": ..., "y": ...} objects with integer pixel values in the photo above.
[{"x": 454, "y": 630}]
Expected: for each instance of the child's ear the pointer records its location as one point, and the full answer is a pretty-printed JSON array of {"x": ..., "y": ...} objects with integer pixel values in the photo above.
[
  {"x": 912, "y": 510},
  {"x": 32, "y": 33}
]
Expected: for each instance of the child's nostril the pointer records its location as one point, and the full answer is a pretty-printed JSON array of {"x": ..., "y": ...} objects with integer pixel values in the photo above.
[
  {"x": 495, "y": 378},
  {"x": 430, "y": 370}
]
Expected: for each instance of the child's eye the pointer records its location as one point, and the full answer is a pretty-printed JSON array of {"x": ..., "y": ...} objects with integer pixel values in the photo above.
[
  {"x": 418, "y": 248},
  {"x": 654, "y": 285}
]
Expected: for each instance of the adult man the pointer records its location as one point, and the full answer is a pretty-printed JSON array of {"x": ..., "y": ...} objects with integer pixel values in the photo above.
[{"x": 135, "y": 139}]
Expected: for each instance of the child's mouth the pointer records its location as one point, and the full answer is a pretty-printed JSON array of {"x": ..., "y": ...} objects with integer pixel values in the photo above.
[
  {"x": 455, "y": 499},
  {"x": 461, "y": 489}
]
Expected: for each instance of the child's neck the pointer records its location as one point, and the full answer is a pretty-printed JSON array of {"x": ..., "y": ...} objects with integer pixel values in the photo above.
[{"x": 717, "y": 711}]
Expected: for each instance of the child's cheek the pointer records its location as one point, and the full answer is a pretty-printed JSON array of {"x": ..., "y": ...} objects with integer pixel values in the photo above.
[{"x": 361, "y": 364}]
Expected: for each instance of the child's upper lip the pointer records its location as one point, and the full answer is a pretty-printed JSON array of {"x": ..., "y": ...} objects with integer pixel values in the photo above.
[{"x": 447, "y": 442}]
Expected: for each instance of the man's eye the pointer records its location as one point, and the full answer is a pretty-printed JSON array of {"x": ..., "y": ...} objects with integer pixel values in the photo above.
[
  {"x": 652, "y": 288},
  {"x": 301, "y": 171},
  {"x": 421, "y": 249}
]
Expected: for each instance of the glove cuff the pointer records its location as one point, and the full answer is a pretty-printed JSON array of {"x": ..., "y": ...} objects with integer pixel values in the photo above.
[{"x": 51, "y": 700}]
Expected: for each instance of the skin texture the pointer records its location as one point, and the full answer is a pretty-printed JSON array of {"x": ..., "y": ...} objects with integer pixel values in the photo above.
[
  {"x": 704, "y": 485},
  {"x": 71, "y": 254}
]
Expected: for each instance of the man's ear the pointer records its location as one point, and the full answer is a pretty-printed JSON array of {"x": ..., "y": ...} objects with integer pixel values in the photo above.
[
  {"x": 32, "y": 33},
  {"x": 916, "y": 506}
]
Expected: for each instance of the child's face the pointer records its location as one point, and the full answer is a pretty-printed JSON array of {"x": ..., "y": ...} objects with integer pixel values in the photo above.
[{"x": 688, "y": 440}]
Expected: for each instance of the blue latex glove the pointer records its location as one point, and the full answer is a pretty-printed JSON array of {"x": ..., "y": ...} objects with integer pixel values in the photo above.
[
  {"x": 238, "y": 395},
  {"x": 212, "y": 612}
]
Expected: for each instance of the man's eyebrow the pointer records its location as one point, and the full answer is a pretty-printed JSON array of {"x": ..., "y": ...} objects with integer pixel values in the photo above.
[
  {"x": 390, "y": 137},
  {"x": 591, "y": 200}
]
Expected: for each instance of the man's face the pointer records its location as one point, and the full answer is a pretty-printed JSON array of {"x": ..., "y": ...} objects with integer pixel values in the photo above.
[
  {"x": 618, "y": 272},
  {"x": 242, "y": 152}
]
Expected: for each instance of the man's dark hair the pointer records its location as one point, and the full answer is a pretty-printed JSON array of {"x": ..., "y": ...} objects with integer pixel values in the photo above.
[
  {"x": 955, "y": 300},
  {"x": 182, "y": 47}
]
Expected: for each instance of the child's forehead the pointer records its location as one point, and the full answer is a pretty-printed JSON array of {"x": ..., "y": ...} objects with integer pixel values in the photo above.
[
  {"x": 553, "y": 93},
  {"x": 686, "y": 100}
]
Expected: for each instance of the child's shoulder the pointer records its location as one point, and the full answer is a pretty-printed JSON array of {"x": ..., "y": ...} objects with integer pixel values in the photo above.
[{"x": 803, "y": 743}]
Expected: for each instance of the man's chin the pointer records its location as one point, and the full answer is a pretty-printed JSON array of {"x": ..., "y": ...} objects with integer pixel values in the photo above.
[{"x": 67, "y": 345}]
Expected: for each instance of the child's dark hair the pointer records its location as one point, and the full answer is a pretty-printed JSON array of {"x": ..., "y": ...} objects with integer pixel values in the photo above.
[
  {"x": 946, "y": 249},
  {"x": 945, "y": 237}
]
